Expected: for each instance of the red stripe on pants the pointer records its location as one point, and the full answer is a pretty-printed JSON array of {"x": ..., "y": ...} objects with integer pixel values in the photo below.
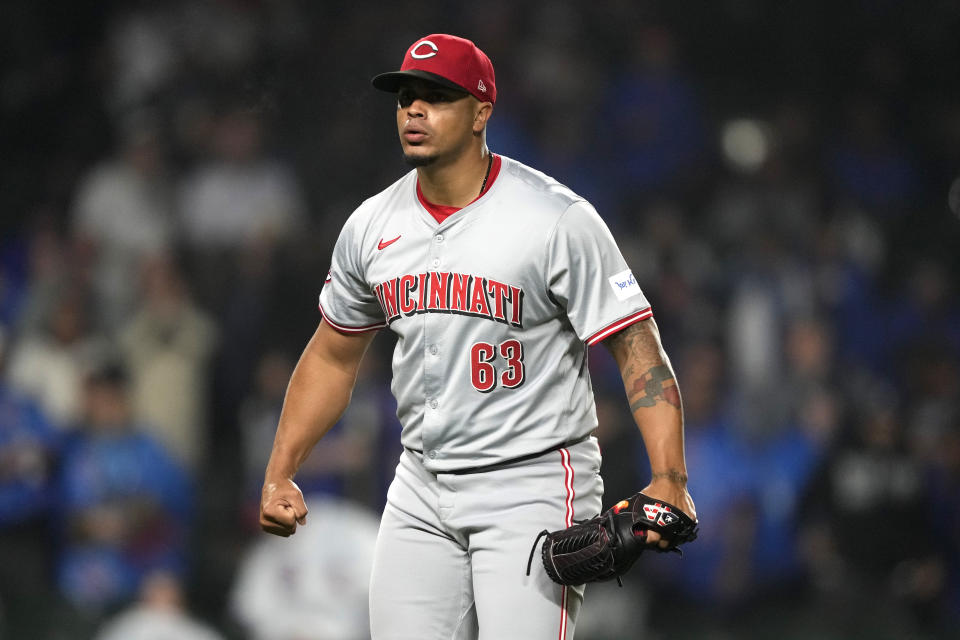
[{"x": 568, "y": 521}]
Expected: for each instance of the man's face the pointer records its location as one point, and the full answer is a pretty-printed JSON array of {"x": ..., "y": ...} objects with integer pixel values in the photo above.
[
  {"x": 434, "y": 122},
  {"x": 106, "y": 405}
]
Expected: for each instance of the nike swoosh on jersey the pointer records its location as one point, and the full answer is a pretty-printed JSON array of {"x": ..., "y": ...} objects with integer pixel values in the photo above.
[{"x": 383, "y": 245}]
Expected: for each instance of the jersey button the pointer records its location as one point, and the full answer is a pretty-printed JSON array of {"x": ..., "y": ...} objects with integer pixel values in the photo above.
[
  {"x": 433, "y": 454},
  {"x": 438, "y": 238},
  {"x": 434, "y": 350},
  {"x": 436, "y": 262},
  {"x": 433, "y": 403}
]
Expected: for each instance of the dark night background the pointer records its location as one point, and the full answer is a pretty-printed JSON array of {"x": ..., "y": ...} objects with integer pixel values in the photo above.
[{"x": 173, "y": 177}]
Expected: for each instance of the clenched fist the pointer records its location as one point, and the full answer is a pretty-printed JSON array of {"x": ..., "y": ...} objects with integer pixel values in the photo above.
[{"x": 282, "y": 508}]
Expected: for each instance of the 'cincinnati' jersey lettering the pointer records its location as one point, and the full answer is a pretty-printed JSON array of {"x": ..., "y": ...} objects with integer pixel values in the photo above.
[
  {"x": 511, "y": 289},
  {"x": 444, "y": 292}
]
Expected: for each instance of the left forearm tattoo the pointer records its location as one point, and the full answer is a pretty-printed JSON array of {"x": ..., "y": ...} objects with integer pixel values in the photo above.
[
  {"x": 657, "y": 384},
  {"x": 647, "y": 376}
]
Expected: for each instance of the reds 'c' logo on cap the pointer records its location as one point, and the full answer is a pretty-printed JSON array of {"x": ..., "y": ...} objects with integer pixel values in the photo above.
[
  {"x": 462, "y": 66},
  {"x": 414, "y": 53}
]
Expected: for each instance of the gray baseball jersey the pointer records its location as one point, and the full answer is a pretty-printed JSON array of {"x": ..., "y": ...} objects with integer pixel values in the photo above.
[{"x": 493, "y": 308}]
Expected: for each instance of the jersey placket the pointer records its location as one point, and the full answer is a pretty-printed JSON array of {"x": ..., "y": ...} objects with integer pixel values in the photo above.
[{"x": 433, "y": 358}]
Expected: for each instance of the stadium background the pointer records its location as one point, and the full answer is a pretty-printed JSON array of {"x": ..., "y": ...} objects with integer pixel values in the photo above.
[{"x": 174, "y": 176}]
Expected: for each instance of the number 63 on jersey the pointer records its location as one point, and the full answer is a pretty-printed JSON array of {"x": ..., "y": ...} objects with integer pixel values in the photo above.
[{"x": 484, "y": 375}]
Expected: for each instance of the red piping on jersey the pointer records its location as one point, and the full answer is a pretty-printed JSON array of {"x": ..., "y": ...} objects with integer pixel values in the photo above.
[
  {"x": 619, "y": 325},
  {"x": 343, "y": 329},
  {"x": 568, "y": 521},
  {"x": 441, "y": 212}
]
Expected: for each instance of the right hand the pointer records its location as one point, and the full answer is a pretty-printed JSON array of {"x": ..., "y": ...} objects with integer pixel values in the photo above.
[{"x": 282, "y": 508}]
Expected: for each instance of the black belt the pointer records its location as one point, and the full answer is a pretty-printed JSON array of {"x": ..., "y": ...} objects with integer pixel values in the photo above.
[{"x": 511, "y": 461}]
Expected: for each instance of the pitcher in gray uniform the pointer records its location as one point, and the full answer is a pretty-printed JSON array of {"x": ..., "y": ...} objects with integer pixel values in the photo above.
[{"x": 495, "y": 279}]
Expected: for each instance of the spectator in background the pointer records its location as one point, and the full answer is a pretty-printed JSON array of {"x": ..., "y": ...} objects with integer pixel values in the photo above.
[
  {"x": 770, "y": 287},
  {"x": 167, "y": 346},
  {"x": 849, "y": 256},
  {"x": 314, "y": 585},
  {"x": 561, "y": 80},
  {"x": 868, "y": 165},
  {"x": 651, "y": 117},
  {"x": 145, "y": 54},
  {"x": 753, "y": 483},
  {"x": 124, "y": 210},
  {"x": 49, "y": 365},
  {"x": 924, "y": 316},
  {"x": 125, "y": 504},
  {"x": 777, "y": 440},
  {"x": 154, "y": 49},
  {"x": 222, "y": 38},
  {"x": 29, "y": 444},
  {"x": 870, "y": 520},
  {"x": 240, "y": 198},
  {"x": 51, "y": 266},
  {"x": 160, "y": 614},
  {"x": 808, "y": 362},
  {"x": 681, "y": 266},
  {"x": 716, "y": 569},
  {"x": 235, "y": 210}
]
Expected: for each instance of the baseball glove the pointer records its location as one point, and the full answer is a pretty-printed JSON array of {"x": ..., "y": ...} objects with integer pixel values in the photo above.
[{"x": 605, "y": 547}]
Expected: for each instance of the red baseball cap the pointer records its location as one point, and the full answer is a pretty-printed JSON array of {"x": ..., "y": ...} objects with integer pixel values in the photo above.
[{"x": 447, "y": 60}]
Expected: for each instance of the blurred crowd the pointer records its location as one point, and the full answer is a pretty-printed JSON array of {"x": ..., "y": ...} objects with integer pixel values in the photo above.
[{"x": 172, "y": 181}]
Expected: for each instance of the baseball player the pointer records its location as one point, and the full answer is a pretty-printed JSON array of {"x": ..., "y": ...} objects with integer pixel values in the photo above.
[{"x": 495, "y": 279}]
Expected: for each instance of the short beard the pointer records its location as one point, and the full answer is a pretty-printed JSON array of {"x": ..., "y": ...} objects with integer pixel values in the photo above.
[{"x": 419, "y": 161}]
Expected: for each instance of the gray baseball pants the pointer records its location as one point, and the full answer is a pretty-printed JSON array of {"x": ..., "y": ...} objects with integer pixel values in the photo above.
[{"x": 450, "y": 561}]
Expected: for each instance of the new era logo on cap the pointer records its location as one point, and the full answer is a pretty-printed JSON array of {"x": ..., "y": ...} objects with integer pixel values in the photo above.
[{"x": 447, "y": 60}]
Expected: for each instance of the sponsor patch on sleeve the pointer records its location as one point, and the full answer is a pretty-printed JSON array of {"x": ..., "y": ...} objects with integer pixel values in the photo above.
[{"x": 624, "y": 285}]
